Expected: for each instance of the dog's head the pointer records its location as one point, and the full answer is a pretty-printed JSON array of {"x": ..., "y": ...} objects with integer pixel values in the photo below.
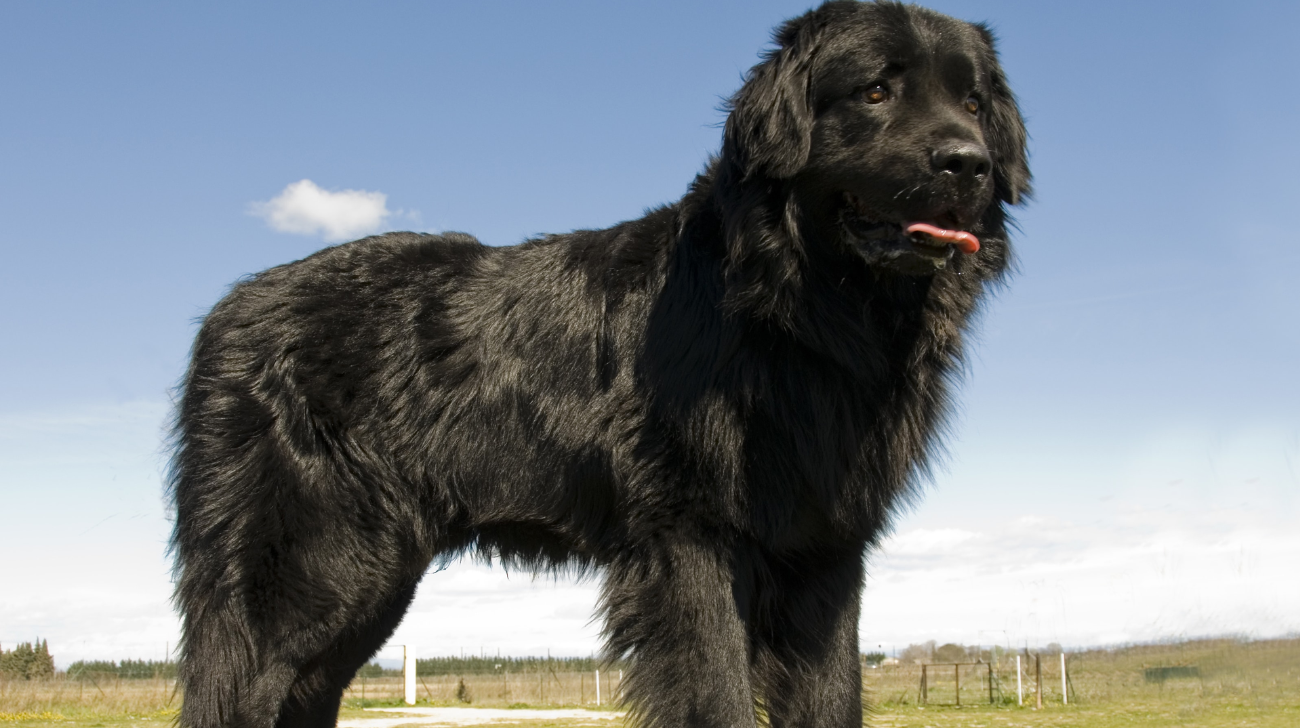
[{"x": 894, "y": 128}]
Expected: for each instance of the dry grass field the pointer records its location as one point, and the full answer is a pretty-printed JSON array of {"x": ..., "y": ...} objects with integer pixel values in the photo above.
[
  {"x": 542, "y": 689},
  {"x": 1238, "y": 684}
]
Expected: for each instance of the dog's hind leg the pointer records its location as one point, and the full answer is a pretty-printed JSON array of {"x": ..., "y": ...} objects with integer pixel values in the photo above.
[
  {"x": 285, "y": 646},
  {"x": 672, "y": 606},
  {"x": 805, "y": 632},
  {"x": 286, "y": 584},
  {"x": 314, "y": 699},
  {"x": 223, "y": 681}
]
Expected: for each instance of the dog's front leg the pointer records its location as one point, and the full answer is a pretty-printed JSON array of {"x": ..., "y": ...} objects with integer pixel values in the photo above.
[
  {"x": 671, "y": 607},
  {"x": 806, "y": 641}
]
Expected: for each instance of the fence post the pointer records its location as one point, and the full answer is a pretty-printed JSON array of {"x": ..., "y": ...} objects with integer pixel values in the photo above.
[
  {"x": 1038, "y": 681},
  {"x": 924, "y": 692},
  {"x": 597, "y": 688},
  {"x": 956, "y": 679},
  {"x": 408, "y": 672},
  {"x": 990, "y": 683},
  {"x": 1065, "y": 694},
  {"x": 1020, "y": 688}
]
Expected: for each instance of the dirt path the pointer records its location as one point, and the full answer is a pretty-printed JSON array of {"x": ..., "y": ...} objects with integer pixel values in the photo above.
[{"x": 472, "y": 716}]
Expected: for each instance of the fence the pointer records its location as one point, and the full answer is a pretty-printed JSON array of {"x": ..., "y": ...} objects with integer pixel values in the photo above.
[
  {"x": 554, "y": 688},
  {"x": 934, "y": 669},
  {"x": 968, "y": 683},
  {"x": 97, "y": 694},
  {"x": 1203, "y": 670}
]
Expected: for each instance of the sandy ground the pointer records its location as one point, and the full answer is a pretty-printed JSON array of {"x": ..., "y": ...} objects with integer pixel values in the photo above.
[{"x": 470, "y": 716}]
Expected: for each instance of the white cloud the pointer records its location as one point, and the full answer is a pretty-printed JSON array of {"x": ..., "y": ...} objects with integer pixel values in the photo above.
[
  {"x": 1147, "y": 573},
  {"x": 474, "y": 608},
  {"x": 925, "y": 541},
  {"x": 303, "y": 208}
]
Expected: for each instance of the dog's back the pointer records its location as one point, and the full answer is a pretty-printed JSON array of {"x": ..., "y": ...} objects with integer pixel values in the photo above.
[{"x": 349, "y": 416}]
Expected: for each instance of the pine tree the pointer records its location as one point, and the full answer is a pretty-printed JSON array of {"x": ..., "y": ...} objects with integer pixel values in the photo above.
[
  {"x": 42, "y": 666},
  {"x": 27, "y": 662}
]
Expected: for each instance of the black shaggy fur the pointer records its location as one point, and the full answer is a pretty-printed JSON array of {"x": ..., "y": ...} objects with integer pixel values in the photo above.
[{"x": 716, "y": 406}]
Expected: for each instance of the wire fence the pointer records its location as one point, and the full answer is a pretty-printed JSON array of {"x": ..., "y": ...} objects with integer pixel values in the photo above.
[
  {"x": 97, "y": 694},
  {"x": 1203, "y": 670},
  {"x": 550, "y": 688}
]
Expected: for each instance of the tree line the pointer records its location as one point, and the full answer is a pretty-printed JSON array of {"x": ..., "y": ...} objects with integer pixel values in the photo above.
[
  {"x": 929, "y": 652},
  {"x": 126, "y": 669},
  {"x": 27, "y": 661},
  {"x": 478, "y": 665}
]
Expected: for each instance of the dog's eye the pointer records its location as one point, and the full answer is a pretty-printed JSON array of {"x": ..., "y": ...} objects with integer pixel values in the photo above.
[
  {"x": 972, "y": 104},
  {"x": 875, "y": 94}
]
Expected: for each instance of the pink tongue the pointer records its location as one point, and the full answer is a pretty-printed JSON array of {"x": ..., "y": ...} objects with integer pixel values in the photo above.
[{"x": 965, "y": 242}]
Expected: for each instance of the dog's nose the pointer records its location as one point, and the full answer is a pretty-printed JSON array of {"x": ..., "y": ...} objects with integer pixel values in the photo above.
[{"x": 968, "y": 161}]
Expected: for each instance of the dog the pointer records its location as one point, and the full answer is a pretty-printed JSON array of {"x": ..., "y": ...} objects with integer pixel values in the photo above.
[{"x": 716, "y": 407}]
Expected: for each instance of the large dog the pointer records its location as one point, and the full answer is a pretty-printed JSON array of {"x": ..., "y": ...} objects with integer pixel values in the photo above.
[{"x": 717, "y": 406}]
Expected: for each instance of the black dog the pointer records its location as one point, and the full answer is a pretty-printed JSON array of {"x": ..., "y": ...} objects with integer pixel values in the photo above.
[{"x": 718, "y": 406}]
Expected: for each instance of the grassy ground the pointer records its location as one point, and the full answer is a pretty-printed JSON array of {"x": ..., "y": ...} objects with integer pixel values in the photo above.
[
  {"x": 87, "y": 719},
  {"x": 1146, "y": 715},
  {"x": 1239, "y": 684}
]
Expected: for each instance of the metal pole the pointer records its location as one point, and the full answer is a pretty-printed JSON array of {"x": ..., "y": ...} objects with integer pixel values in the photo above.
[
  {"x": 1065, "y": 694},
  {"x": 956, "y": 679},
  {"x": 1020, "y": 688},
  {"x": 408, "y": 672}
]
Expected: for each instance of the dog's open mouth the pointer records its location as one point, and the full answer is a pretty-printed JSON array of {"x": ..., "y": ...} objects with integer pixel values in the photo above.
[{"x": 915, "y": 248}]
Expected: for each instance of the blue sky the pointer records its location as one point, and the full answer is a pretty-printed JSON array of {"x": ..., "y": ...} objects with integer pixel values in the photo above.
[{"x": 1126, "y": 460}]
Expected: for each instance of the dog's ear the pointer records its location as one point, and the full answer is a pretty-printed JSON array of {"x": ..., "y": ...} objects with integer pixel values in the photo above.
[
  {"x": 1006, "y": 133},
  {"x": 769, "y": 129}
]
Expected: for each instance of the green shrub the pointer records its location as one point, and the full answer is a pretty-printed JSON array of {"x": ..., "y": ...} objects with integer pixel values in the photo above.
[{"x": 462, "y": 692}]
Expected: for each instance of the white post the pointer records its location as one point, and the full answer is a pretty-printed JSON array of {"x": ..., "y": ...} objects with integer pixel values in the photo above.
[
  {"x": 1065, "y": 693},
  {"x": 408, "y": 672},
  {"x": 598, "y": 687},
  {"x": 1020, "y": 688}
]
